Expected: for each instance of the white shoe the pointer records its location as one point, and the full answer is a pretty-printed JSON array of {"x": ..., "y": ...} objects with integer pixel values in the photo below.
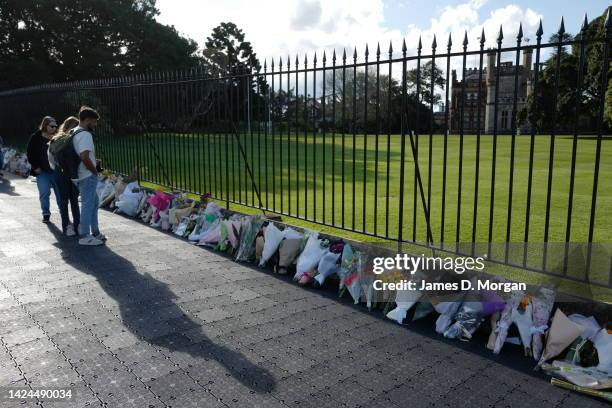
[
  {"x": 100, "y": 236},
  {"x": 90, "y": 240},
  {"x": 70, "y": 231}
]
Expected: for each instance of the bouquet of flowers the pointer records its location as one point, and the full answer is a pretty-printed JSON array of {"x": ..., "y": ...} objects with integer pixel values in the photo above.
[
  {"x": 561, "y": 334},
  {"x": 447, "y": 310},
  {"x": 159, "y": 201},
  {"x": 129, "y": 199},
  {"x": 350, "y": 270},
  {"x": 584, "y": 390},
  {"x": 289, "y": 249},
  {"x": 164, "y": 219},
  {"x": 471, "y": 314},
  {"x": 588, "y": 377},
  {"x": 328, "y": 265},
  {"x": 272, "y": 239},
  {"x": 517, "y": 310},
  {"x": 603, "y": 343},
  {"x": 543, "y": 303},
  {"x": 310, "y": 257},
  {"x": 234, "y": 225},
  {"x": 404, "y": 301},
  {"x": 248, "y": 233},
  {"x": 181, "y": 229}
]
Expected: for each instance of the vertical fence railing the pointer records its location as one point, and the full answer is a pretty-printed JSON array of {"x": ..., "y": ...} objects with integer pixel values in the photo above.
[{"x": 361, "y": 143}]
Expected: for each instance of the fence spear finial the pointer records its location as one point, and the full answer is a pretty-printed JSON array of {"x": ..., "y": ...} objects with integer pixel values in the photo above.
[
  {"x": 500, "y": 36},
  {"x": 344, "y": 55},
  {"x": 561, "y": 30},
  {"x": 314, "y": 60},
  {"x": 482, "y": 37},
  {"x": 420, "y": 45},
  {"x": 449, "y": 44},
  {"x": 434, "y": 43},
  {"x": 540, "y": 30},
  {"x": 390, "y": 48},
  {"x": 324, "y": 57},
  {"x": 404, "y": 48},
  {"x": 519, "y": 36},
  {"x": 355, "y": 54},
  {"x": 305, "y": 59},
  {"x": 367, "y": 52},
  {"x": 378, "y": 50},
  {"x": 334, "y": 56},
  {"x": 585, "y": 23}
]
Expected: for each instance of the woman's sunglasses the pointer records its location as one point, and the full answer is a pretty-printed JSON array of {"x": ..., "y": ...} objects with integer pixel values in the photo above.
[{"x": 53, "y": 126}]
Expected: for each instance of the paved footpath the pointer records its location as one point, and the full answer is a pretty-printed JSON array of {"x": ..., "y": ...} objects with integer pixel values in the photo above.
[{"x": 151, "y": 321}]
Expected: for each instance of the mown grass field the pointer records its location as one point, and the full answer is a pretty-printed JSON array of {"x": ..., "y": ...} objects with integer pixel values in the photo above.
[{"x": 309, "y": 170}]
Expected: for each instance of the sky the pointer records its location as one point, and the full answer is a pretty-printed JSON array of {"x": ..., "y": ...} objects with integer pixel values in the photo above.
[{"x": 277, "y": 28}]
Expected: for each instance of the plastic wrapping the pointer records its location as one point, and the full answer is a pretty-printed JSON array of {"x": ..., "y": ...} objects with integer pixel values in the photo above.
[
  {"x": 211, "y": 236},
  {"x": 310, "y": 256},
  {"x": 562, "y": 333},
  {"x": 249, "y": 230},
  {"x": 447, "y": 310},
  {"x": 129, "y": 200},
  {"x": 181, "y": 229},
  {"x": 543, "y": 304},
  {"x": 471, "y": 314},
  {"x": 104, "y": 189},
  {"x": 404, "y": 300},
  {"x": 351, "y": 268},
  {"x": 328, "y": 265},
  {"x": 603, "y": 343},
  {"x": 505, "y": 320},
  {"x": 272, "y": 239}
]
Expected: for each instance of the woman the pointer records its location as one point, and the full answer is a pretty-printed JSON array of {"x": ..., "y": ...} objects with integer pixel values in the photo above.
[
  {"x": 67, "y": 190},
  {"x": 37, "y": 156}
]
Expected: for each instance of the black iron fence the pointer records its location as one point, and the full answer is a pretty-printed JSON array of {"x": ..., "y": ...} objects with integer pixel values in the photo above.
[{"x": 499, "y": 151}]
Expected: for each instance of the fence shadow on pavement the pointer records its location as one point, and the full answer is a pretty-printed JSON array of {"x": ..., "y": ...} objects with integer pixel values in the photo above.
[{"x": 130, "y": 289}]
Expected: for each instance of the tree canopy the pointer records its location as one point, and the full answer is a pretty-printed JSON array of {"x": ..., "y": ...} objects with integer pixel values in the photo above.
[
  {"x": 80, "y": 39},
  {"x": 540, "y": 109}
]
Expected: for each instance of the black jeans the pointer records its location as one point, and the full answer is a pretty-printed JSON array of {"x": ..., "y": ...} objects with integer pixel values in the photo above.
[{"x": 68, "y": 192}]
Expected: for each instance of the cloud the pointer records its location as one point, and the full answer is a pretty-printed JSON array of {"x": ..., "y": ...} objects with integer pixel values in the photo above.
[
  {"x": 281, "y": 27},
  {"x": 307, "y": 14}
]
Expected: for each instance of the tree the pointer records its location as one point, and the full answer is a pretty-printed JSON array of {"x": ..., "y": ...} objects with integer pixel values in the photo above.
[
  {"x": 67, "y": 40},
  {"x": 226, "y": 45},
  {"x": 424, "y": 81},
  {"x": 227, "y": 52},
  {"x": 539, "y": 109}
]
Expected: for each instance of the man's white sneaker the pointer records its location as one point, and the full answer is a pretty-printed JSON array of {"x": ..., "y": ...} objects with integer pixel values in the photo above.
[
  {"x": 100, "y": 236},
  {"x": 90, "y": 241},
  {"x": 70, "y": 231}
]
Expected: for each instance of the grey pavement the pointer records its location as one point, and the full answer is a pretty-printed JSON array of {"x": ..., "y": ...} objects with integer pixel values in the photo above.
[{"x": 149, "y": 320}]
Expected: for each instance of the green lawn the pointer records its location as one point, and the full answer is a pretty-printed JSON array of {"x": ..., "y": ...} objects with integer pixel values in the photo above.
[{"x": 197, "y": 162}]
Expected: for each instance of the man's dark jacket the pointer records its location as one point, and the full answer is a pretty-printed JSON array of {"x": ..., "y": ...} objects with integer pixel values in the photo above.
[{"x": 37, "y": 152}]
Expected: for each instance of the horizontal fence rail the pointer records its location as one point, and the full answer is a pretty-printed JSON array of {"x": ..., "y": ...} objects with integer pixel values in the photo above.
[{"x": 500, "y": 152}]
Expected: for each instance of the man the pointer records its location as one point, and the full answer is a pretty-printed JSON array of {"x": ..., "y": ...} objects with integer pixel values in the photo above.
[
  {"x": 37, "y": 156},
  {"x": 87, "y": 177}
]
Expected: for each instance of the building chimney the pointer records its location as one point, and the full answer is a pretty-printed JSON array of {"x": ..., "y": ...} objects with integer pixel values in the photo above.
[
  {"x": 527, "y": 54},
  {"x": 491, "y": 66}
]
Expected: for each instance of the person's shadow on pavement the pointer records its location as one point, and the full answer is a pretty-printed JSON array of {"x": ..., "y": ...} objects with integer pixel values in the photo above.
[
  {"x": 6, "y": 187},
  {"x": 121, "y": 281}
]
